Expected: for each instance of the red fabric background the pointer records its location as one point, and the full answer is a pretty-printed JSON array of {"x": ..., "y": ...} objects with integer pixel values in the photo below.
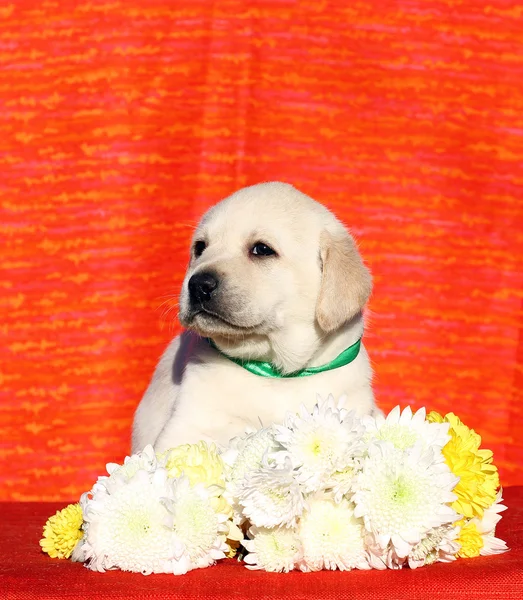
[
  {"x": 27, "y": 573},
  {"x": 121, "y": 121}
]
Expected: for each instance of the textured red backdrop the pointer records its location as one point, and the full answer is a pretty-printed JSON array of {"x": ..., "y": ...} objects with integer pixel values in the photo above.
[{"x": 121, "y": 121}]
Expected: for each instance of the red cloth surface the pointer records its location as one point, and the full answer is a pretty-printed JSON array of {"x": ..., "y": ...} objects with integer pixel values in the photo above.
[{"x": 27, "y": 573}]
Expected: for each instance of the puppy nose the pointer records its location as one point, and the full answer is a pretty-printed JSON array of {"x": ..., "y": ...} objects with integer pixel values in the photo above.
[{"x": 202, "y": 286}]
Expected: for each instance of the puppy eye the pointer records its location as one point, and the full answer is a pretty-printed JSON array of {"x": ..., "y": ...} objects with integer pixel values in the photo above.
[
  {"x": 199, "y": 247},
  {"x": 261, "y": 249}
]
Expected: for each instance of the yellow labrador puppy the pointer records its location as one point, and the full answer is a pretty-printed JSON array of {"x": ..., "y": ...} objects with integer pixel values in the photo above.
[{"x": 272, "y": 305}]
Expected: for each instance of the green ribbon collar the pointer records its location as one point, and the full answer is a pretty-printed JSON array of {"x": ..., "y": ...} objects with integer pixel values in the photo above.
[{"x": 266, "y": 369}]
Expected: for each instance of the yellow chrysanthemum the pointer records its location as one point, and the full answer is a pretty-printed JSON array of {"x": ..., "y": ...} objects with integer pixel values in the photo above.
[
  {"x": 62, "y": 532},
  {"x": 201, "y": 464},
  {"x": 470, "y": 539},
  {"x": 479, "y": 479}
]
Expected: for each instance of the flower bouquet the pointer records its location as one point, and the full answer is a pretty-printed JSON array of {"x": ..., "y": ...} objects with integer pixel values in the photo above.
[{"x": 322, "y": 490}]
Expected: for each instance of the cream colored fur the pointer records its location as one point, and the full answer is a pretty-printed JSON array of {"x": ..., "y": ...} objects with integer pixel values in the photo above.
[{"x": 297, "y": 309}]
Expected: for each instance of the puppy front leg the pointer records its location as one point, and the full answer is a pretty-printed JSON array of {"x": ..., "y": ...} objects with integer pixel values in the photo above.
[{"x": 158, "y": 402}]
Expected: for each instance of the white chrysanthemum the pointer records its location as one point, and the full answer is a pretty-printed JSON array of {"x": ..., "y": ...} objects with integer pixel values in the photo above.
[
  {"x": 380, "y": 558},
  {"x": 147, "y": 522},
  {"x": 404, "y": 494},
  {"x": 439, "y": 545},
  {"x": 146, "y": 460},
  {"x": 199, "y": 532},
  {"x": 271, "y": 496},
  {"x": 126, "y": 527},
  {"x": 487, "y": 528},
  {"x": 341, "y": 483},
  {"x": 118, "y": 475},
  {"x": 404, "y": 430},
  {"x": 332, "y": 537},
  {"x": 245, "y": 454},
  {"x": 321, "y": 443},
  {"x": 278, "y": 550}
]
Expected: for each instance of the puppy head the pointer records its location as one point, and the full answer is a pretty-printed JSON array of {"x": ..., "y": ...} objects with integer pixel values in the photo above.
[{"x": 271, "y": 273}]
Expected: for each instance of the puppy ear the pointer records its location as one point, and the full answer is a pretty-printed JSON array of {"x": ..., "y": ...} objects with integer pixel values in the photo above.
[{"x": 346, "y": 282}]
